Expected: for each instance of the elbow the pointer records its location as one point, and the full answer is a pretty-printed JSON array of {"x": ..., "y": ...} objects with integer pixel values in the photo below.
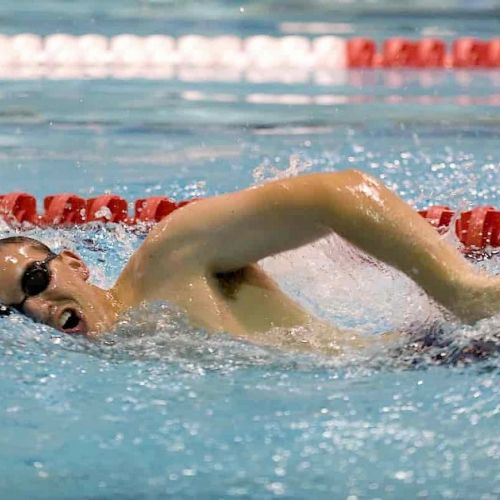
[
  {"x": 348, "y": 177},
  {"x": 353, "y": 176},
  {"x": 352, "y": 183}
]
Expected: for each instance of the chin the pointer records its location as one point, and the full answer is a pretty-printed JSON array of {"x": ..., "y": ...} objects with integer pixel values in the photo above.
[{"x": 94, "y": 330}]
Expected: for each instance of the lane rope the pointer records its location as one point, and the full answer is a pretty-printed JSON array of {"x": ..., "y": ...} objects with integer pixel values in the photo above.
[
  {"x": 29, "y": 50},
  {"x": 477, "y": 228}
]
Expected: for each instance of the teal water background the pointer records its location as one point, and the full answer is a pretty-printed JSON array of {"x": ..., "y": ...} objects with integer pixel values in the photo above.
[{"x": 161, "y": 410}]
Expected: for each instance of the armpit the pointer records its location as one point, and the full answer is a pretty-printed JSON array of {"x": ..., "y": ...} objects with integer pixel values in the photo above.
[{"x": 230, "y": 282}]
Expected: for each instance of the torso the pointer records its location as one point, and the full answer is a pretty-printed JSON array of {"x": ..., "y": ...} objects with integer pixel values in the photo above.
[
  {"x": 248, "y": 304},
  {"x": 241, "y": 302},
  {"x": 256, "y": 302}
]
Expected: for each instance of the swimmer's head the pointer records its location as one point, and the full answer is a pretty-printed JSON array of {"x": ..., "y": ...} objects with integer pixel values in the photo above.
[{"x": 51, "y": 288}]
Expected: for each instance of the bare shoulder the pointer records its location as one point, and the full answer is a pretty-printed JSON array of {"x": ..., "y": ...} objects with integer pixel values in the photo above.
[
  {"x": 165, "y": 255},
  {"x": 228, "y": 232}
]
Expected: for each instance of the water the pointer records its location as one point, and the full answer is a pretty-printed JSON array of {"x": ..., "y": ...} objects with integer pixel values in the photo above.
[
  {"x": 375, "y": 18},
  {"x": 161, "y": 410}
]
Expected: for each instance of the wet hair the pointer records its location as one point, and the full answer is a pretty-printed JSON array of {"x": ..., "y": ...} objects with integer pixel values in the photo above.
[
  {"x": 24, "y": 240},
  {"x": 20, "y": 240}
]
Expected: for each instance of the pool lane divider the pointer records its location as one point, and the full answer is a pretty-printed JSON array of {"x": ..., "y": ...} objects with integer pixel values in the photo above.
[
  {"x": 476, "y": 229},
  {"x": 425, "y": 53},
  {"x": 230, "y": 51}
]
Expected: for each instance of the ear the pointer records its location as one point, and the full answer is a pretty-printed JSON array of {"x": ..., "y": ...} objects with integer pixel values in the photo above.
[{"x": 76, "y": 263}]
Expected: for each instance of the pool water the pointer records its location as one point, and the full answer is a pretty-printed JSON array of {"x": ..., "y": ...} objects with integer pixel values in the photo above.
[
  {"x": 162, "y": 410},
  {"x": 374, "y": 18}
]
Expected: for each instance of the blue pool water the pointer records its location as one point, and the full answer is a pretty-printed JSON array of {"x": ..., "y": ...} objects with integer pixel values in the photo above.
[
  {"x": 374, "y": 18},
  {"x": 161, "y": 410}
]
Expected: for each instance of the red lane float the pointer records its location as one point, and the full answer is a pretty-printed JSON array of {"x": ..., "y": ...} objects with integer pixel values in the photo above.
[
  {"x": 18, "y": 207},
  {"x": 68, "y": 209},
  {"x": 399, "y": 53},
  {"x": 471, "y": 53},
  {"x": 479, "y": 227},
  {"x": 467, "y": 53},
  {"x": 361, "y": 53},
  {"x": 476, "y": 229},
  {"x": 439, "y": 216},
  {"x": 153, "y": 209},
  {"x": 494, "y": 53},
  {"x": 107, "y": 208},
  {"x": 64, "y": 208},
  {"x": 431, "y": 53}
]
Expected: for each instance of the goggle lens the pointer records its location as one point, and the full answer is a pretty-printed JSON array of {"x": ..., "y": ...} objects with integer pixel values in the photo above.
[{"x": 36, "y": 279}]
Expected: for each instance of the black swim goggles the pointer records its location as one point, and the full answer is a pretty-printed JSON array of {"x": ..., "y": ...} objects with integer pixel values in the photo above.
[{"x": 35, "y": 280}]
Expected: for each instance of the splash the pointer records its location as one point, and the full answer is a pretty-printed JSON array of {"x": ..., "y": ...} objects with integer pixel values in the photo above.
[
  {"x": 337, "y": 282},
  {"x": 267, "y": 171}
]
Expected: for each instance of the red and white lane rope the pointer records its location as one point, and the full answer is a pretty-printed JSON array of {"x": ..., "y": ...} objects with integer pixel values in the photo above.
[
  {"x": 261, "y": 52},
  {"x": 476, "y": 229}
]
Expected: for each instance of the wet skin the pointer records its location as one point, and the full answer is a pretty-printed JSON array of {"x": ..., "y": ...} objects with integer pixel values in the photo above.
[
  {"x": 204, "y": 259},
  {"x": 68, "y": 292}
]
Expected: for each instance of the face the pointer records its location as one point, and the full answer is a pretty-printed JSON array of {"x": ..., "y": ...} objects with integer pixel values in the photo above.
[{"x": 69, "y": 303}]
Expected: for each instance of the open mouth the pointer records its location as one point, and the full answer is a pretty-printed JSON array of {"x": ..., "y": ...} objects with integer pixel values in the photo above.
[{"x": 70, "y": 321}]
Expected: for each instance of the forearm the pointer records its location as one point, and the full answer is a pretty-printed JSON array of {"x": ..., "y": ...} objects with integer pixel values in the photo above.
[{"x": 374, "y": 219}]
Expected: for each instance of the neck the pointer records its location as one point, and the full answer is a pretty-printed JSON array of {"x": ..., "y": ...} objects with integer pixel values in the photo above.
[
  {"x": 123, "y": 296},
  {"x": 110, "y": 309}
]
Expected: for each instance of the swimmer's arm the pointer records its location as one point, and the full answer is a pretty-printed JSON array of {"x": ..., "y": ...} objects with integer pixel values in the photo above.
[{"x": 230, "y": 231}]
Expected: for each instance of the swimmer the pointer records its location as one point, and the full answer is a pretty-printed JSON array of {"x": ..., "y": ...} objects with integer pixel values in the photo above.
[{"x": 204, "y": 258}]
